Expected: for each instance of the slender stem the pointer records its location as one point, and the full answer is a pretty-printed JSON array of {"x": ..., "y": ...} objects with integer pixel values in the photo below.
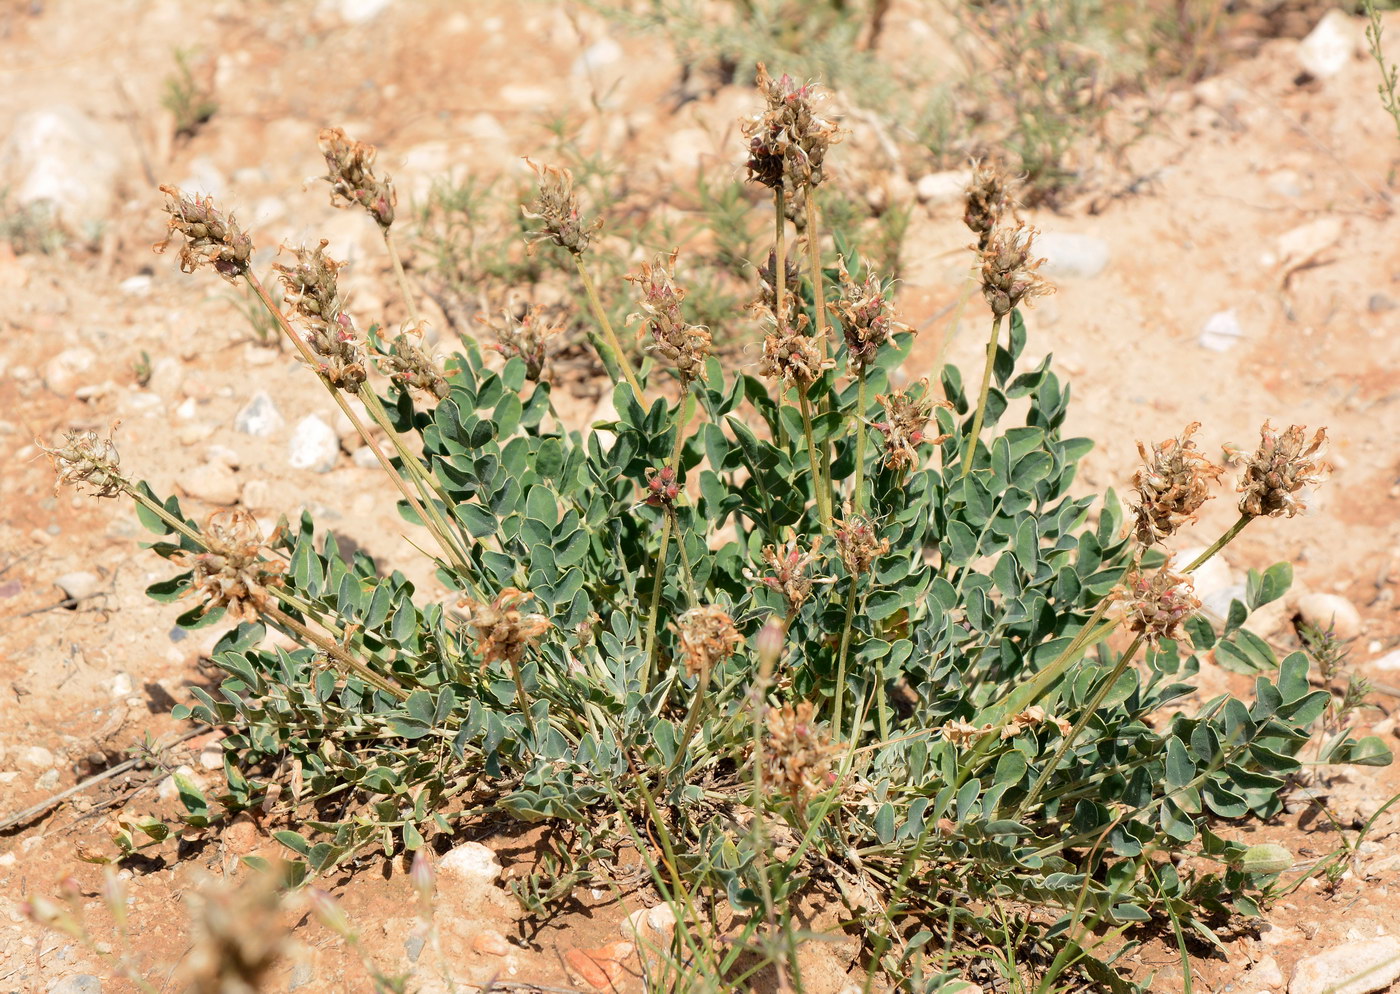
[
  {"x": 683, "y": 413},
  {"x": 779, "y": 292},
  {"x": 982, "y": 397},
  {"x": 839, "y": 692},
  {"x": 1220, "y": 542},
  {"x": 623, "y": 361},
  {"x": 404, "y": 289},
  {"x": 523, "y": 700},
  {"x": 857, "y": 496},
  {"x": 349, "y": 662},
  {"x": 814, "y": 257},
  {"x": 823, "y": 511},
  {"x": 697, "y": 706}
]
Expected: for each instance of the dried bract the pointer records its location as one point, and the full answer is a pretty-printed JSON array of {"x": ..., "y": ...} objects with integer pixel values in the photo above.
[
  {"x": 314, "y": 295},
  {"x": 905, "y": 426},
  {"x": 87, "y": 458},
  {"x": 1033, "y": 717},
  {"x": 962, "y": 732},
  {"x": 413, "y": 368},
  {"x": 801, "y": 757},
  {"x": 864, "y": 312},
  {"x": 229, "y": 573},
  {"x": 792, "y": 355},
  {"x": 789, "y": 565},
  {"x": 1280, "y": 467},
  {"x": 238, "y": 937},
  {"x": 680, "y": 346},
  {"x": 504, "y": 632},
  {"x": 557, "y": 207},
  {"x": 708, "y": 638},
  {"x": 987, "y": 201},
  {"x": 210, "y": 238},
  {"x": 858, "y": 544},
  {"x": 1008, "y": 272},
  {"x": 768, "y": 287},
  {"x": 526, "y": 336},
  {"x": 1171, "y": 486},
  {"x": 788, "y": 142},
  {"x": 1155, "y": 606},
  {"x": 350, "y": 172}
]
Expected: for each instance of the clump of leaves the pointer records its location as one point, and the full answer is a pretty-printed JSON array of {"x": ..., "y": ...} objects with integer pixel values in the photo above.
[
  {"x": 724, "y": 628},
  {"x": 191, "y": 103}
]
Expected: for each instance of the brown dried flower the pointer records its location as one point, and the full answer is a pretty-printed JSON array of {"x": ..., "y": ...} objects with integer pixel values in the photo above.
[
  {"x": 526, "y": 336},
  {"x": 1155, "y": 606},
  {"x": 210, "y": 238},
  {"x": 557, "y": 206},
  {"x": 1033, "y": 717},
  {"x": 789, "y": 564},
  {"x": 864, "y": 312},
  {"x": 1008, "y": 271},
  {"x": 504, "y": 632},
  {"x": 906, "y": 425},
  {"x": 350, "y": 172},
  {"x": 238, "y": 937},
  {"x": 708, "y": 638},
  {"x": 1278, "y": 469},
  {"x": 858, "y": 544},
  {"x": 663, "y": 487},
  {"x": 412, "y": 367},
  {"x": 314, "y": 295},
  {"x": 768, "y": 287},
  {"x": 962, "y": 732},
  {"x": 789, "y": 140},
  {"x": 800, "y": 756},
  {"x": 1171, "y": 486},
  {"x": 987, "y": 201},
  {"x": 87, "y": 458},
  {"x": 230, "y": 573},
  {"x": 681, "y": 346},
  {"x": 792, "y": 355}
]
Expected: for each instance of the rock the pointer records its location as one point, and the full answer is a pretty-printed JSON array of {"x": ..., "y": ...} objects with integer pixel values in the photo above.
[
  {"x": 601, "y": 968},
  {"x": 212, "y": 482},
  {"x": 1379, "y": 302},
  {"x": 48, "y": 780},
  {"x": 167, "y": 377},
  {"x": 937, "y": 188},
  {"x": 1265, "y": 973},
  {"x": 60, "y": 155},
  {"x": 1329, "y": 46},
  {"x": 1071, "y": 255},
  {"x": 34, "y": 757},
  {"x": 365, "y": 458},
  {"x": 1388, "y": 663},
  {"x": 259, "y": 417},
  {"x": 242, "y": 836},
  {"x": 1351, "y": 968},
  {"x": 302, "y": 974},
  {"x": 82, "y": 983},
  {"x": 168, "y": 790},
  {"x": 1285, "y": 183},
  {"x": 256, "y": 494},
  {"x": 602, "y": 53},
  {"x": 80, "y": 585},
  {"x": 470, "y": 863},
  {"x": 687, "y": 149},
  {"x": 136, "y": 286},
  {"x": 61, "y": 373},
  {"x": 359, "y": 11},
  {"x": 313, "y": 446},
  {"x": 1222, "y": 332},
  {"x": 1303, "y": 245},
  {"x": 120, "y": 685},
  {"x": 490, "y": 943},
  {"x": 1334, "y": 610}
]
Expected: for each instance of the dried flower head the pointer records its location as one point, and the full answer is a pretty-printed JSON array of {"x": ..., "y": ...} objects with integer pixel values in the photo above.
[
  {"x": 1172, "y": 485},
  {"x": 708, "y": 638},
  {"x": 314, "y": 295},
  {"x": 1008, "y": 271},
  {"x": 800, "y": 756},
  {"x": 504, "y": 632},
  {"x": 792, "y": 355},
  {"x": 788, "y": 142},
  {"x": 557, "y": 207},
  {"x": 411, "y": 366},
  {"x": 962, "y": 732},
  {"x": 238, "y": 936},
  {"x": 858, "y": 544},
  {"x": 1033, "y": 717},
  {"x": 987, "y": 201},
  {"x": 789, "y": 565},
  {"x": 663, "y": 487},
  {"x": 230, "y": 573},
  {"x": 87, "y": 458},
  {"x": 682, "y": 347},
  {"x": 1155, "y": 606},
  {"x": 864, "y": 312},
  {"x": 1280, "y": 467},
  {"x": 905, "y": 426},
  {"x": 350, "y": 172},
  {"x": 526, "y": 336},
  {"x": 768, "y": 287},
  {"x": 210, "y": 238}
]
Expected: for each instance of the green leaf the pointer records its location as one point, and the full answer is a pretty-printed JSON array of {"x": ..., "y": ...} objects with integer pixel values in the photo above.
[
  {"x": 1370, "y": 750},
  {"x": 1273, "y": 583},
  {"x": 294, "y": 841}
]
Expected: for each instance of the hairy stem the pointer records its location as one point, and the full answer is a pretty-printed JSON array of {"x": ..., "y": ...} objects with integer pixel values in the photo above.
[
  {"x": 823, "y": 510},
  {"x": 814, "y": 259},
  {"x": 347, "y": 661},
  {"x": 623, "y": 361},
  {"x": 839, "y": 691},
  {"x": 857, "y": 496},
  {"x": 401, "y": 277},
  {"x": 779, "y": 291},
  {"x": 971, "y": 452},
  {"x": 683, "y": 413}
]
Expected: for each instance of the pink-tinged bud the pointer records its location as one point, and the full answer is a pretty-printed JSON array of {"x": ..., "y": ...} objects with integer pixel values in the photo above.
[
  {"x": 328, "y": 912},
  {"x": 769, "y": 643},
  {"x": 421, "y": 875},
  {"x": 114, "y": 896}
]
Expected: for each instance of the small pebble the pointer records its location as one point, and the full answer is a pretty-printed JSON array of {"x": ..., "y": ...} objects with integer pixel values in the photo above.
[
  {"x": 1222, "y": 332},
  {"x": 83, "y": 983},
  {"x": 80, "y": 585},
  {"x": 259, "y": 417},
  {"x": 313, "y": 445}
]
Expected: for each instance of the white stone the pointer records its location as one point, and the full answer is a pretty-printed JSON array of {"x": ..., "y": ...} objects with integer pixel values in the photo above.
[
  {"x": 937, "y": 188},
  {"x": 1265, "y": 973},
  {"x": 313, "y": 445},
  {"x": 212, "y": 482},
  {"x": 365, "y": 458},
  {"x": 259, "y": 416},
  {"x": 1331, "y": 610},
  {"x": 34, "y": 757},
  {"x": 1329, "y": 46},
  {"x": 1072, "y": 255},
  {"x": 359, "y": 11},
  {"x": 1306, "y": 243},
  {"x": 603, "y": 52},
  {"x": 62, "y": 371},
  {"x": 79, "y": 585},
  {"x": 1388, "y": 663},
  {"x": 470, "y": 863},
  {"x": 1351, "y": 968},
  {"x": 136, "y": 286},
  {"x": 60, "y": 155},
  {"x": 120, "y": 685},
  {"x": 1222, "y": 331}
]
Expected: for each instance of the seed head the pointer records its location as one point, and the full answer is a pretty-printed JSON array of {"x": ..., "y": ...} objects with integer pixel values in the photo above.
[
  {"x": 525, "y": 337},
  {"x": 792, "y": 355},
  {"x": 86, "y": 458},
  {"x": 708, "y": 638},
  {"x": 864, "y": 312},
  {"x": 1280, "y": 467},
  {"x": 962, "y": 732},
  {"x": 789, "y": 565},
  {"x": 413, "y": 368},
  {"x": 858, "y": 544},
  {"x": 1008, "y": 271},
  {"x": 788, "y": 142},
  {"x": 800, "y": 756},
  {"x": 1155, "y": 606},
  {"x": 210, "y": 239},
  {"x": 503, "y": 632},
  {"x": 768, "y": 288},
  {"x": 557, "y": 208},
  {"x": 681, "y": 346},
  {"x": 314, "y": 295},
  {"x": 987, "y": 201},
  {"x": 663, "y": 487},
  {"x": 1172, "y": 485},
  {"x": 906, "y": 425},
  {"x": 350, "y": 172},
  {"x": 229, "y": 573}
]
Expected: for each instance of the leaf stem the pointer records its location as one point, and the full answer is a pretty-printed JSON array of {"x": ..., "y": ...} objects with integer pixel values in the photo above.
[{"x": 971, "y": 452}]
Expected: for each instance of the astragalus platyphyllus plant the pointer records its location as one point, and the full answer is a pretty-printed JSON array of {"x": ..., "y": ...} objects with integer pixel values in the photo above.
[{"x": 791, "y": 626}]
